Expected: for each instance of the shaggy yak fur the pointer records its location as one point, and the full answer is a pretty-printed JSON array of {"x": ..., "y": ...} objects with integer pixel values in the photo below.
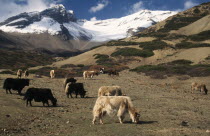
[
  {"x": 199, "y": 87},
  {"x": 15, "y": 84},
  {"x": 89, "y": 74},
  {"x": 75, "y": 88},
  {"x": 113, "y": 105},
  {"x": 109, "y": 91},
  {"x": 19, "y": 73},
  {"x": 52, "y": 74},
  {"x": 69, "y": 80},
  {"x": 39, "y": 95}
]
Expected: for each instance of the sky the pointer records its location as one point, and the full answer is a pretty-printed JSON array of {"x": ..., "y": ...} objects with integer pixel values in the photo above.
[{"x": 95, "y": 9}]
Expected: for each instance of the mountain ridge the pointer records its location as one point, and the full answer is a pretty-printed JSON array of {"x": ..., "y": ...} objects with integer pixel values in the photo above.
[{"x": 59, "y": 22}]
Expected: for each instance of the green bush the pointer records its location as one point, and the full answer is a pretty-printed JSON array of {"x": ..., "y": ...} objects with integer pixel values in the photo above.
[
  {"x": 187, "y": 45},
  {"x": 207, "y": 58},
  {"x": 177, "y": 22},
  {"x": 146, "y": 68},
  {"x": 153, "y": 45},
  {"x": 7, "y": 72},
  {"x": 80, "y": 65},
  {"x": 121, "y": 43},
  {"x": 205, "y": 35},
  {"x": 180, "y": 62},
  {"x": 132, "y": 52},
  {"x": 105, "y": 60},
  {"x": 179, "y": 67}
]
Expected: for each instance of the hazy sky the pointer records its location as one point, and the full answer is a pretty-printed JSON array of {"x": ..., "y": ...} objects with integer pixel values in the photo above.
[{"x": 95, "y": 9}]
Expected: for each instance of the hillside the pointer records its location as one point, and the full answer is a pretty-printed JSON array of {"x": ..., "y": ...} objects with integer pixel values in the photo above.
[{"x": 162, "y": 44}]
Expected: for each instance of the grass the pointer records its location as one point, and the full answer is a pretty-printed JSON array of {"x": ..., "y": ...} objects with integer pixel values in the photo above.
[
  {"x": 178, "y": 67},
  {"x": 132, "y": 52}
]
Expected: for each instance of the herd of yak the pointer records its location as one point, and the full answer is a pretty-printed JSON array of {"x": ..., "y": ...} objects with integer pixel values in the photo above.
[{"x": 110, "y": 98}]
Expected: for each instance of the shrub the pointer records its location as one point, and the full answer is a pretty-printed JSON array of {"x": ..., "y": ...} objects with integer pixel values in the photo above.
[
  {"x": 207, "y": 58},
  {"x": 187, "y": 45},
  {"x": 205, "y": 35},
  {"x": 180, "y": 68},
  {"x": 80, "y": 65},
  {"x": 146, "y": 68},
  {"x": 103, "y": 59},
  {"x": 121, "y": 43},
  {"x": 132, "y": 52},
  {"x": 153, "y": 45},
  {"x": 180, "y": 62},
  {"x": 177, "y": 22},
  {"x": 68, "y": 66},
  {"x": 7, "y": 72},
  {"x": 196, "y": 11}
]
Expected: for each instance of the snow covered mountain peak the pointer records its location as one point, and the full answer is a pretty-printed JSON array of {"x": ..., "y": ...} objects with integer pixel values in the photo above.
[
  {"x": 56, "y": 20},
  {"x": 111, "y": 29}
]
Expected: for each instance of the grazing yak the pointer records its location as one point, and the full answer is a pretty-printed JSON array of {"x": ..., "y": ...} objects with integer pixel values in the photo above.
[
  {"x": 52, "y": 73},
  {"x": 69, "y": 80},
  {"x": 39, "y": 95},
  {"x": 75, "y": 88},
  {"x": 15, "y": 84},
  {"x": 109, "y": 91},
  {"x": 110, "y": 72},
  {"x": 199, "y": 87},
  {"x": 19, "y": 73},
  {"x": 113, "y": 105},
  {"x": 89, "y": 74},
  {"x": 26, "y": 73}
]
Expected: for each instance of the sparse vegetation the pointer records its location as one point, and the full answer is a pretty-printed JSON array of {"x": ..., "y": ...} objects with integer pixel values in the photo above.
[
  {"x": 178, "y": 67},
  {"x": 121, "y": 43},
  {"x": 178, "y": 22},
  {"x": 8, "y": 72},
  {"x": 22, "y": 59},
  {"x": 153, "y": 45},
  {"x": 68, "y": 66},
  {"x": 187, "y": 45},
  {"x": 104, "y": 60},
  {"x": 205, "y": 35},
  {"x": 180, "y": 62},
  {"x": 80, "y": 65},
  {"x": 132, "y": 52},
  {"x": 207, "y": 58},
  {"x": 156, "y": 34}
]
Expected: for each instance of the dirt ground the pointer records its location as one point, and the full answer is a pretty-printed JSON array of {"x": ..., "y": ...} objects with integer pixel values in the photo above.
[{"x": 168, "y": 108}]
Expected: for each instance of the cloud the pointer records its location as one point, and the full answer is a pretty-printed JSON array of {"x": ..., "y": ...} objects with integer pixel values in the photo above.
[
  {"x": 189, "y": 4},
  {"x": 101, "y": 5},
  {"x": 93, "y": 19},
  {"x": 13, "y": 7},
  {"x": 136, "y": 7}
]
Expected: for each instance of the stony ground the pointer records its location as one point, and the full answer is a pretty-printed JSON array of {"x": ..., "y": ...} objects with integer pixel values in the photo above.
[{"x": 167, "y": 108}]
